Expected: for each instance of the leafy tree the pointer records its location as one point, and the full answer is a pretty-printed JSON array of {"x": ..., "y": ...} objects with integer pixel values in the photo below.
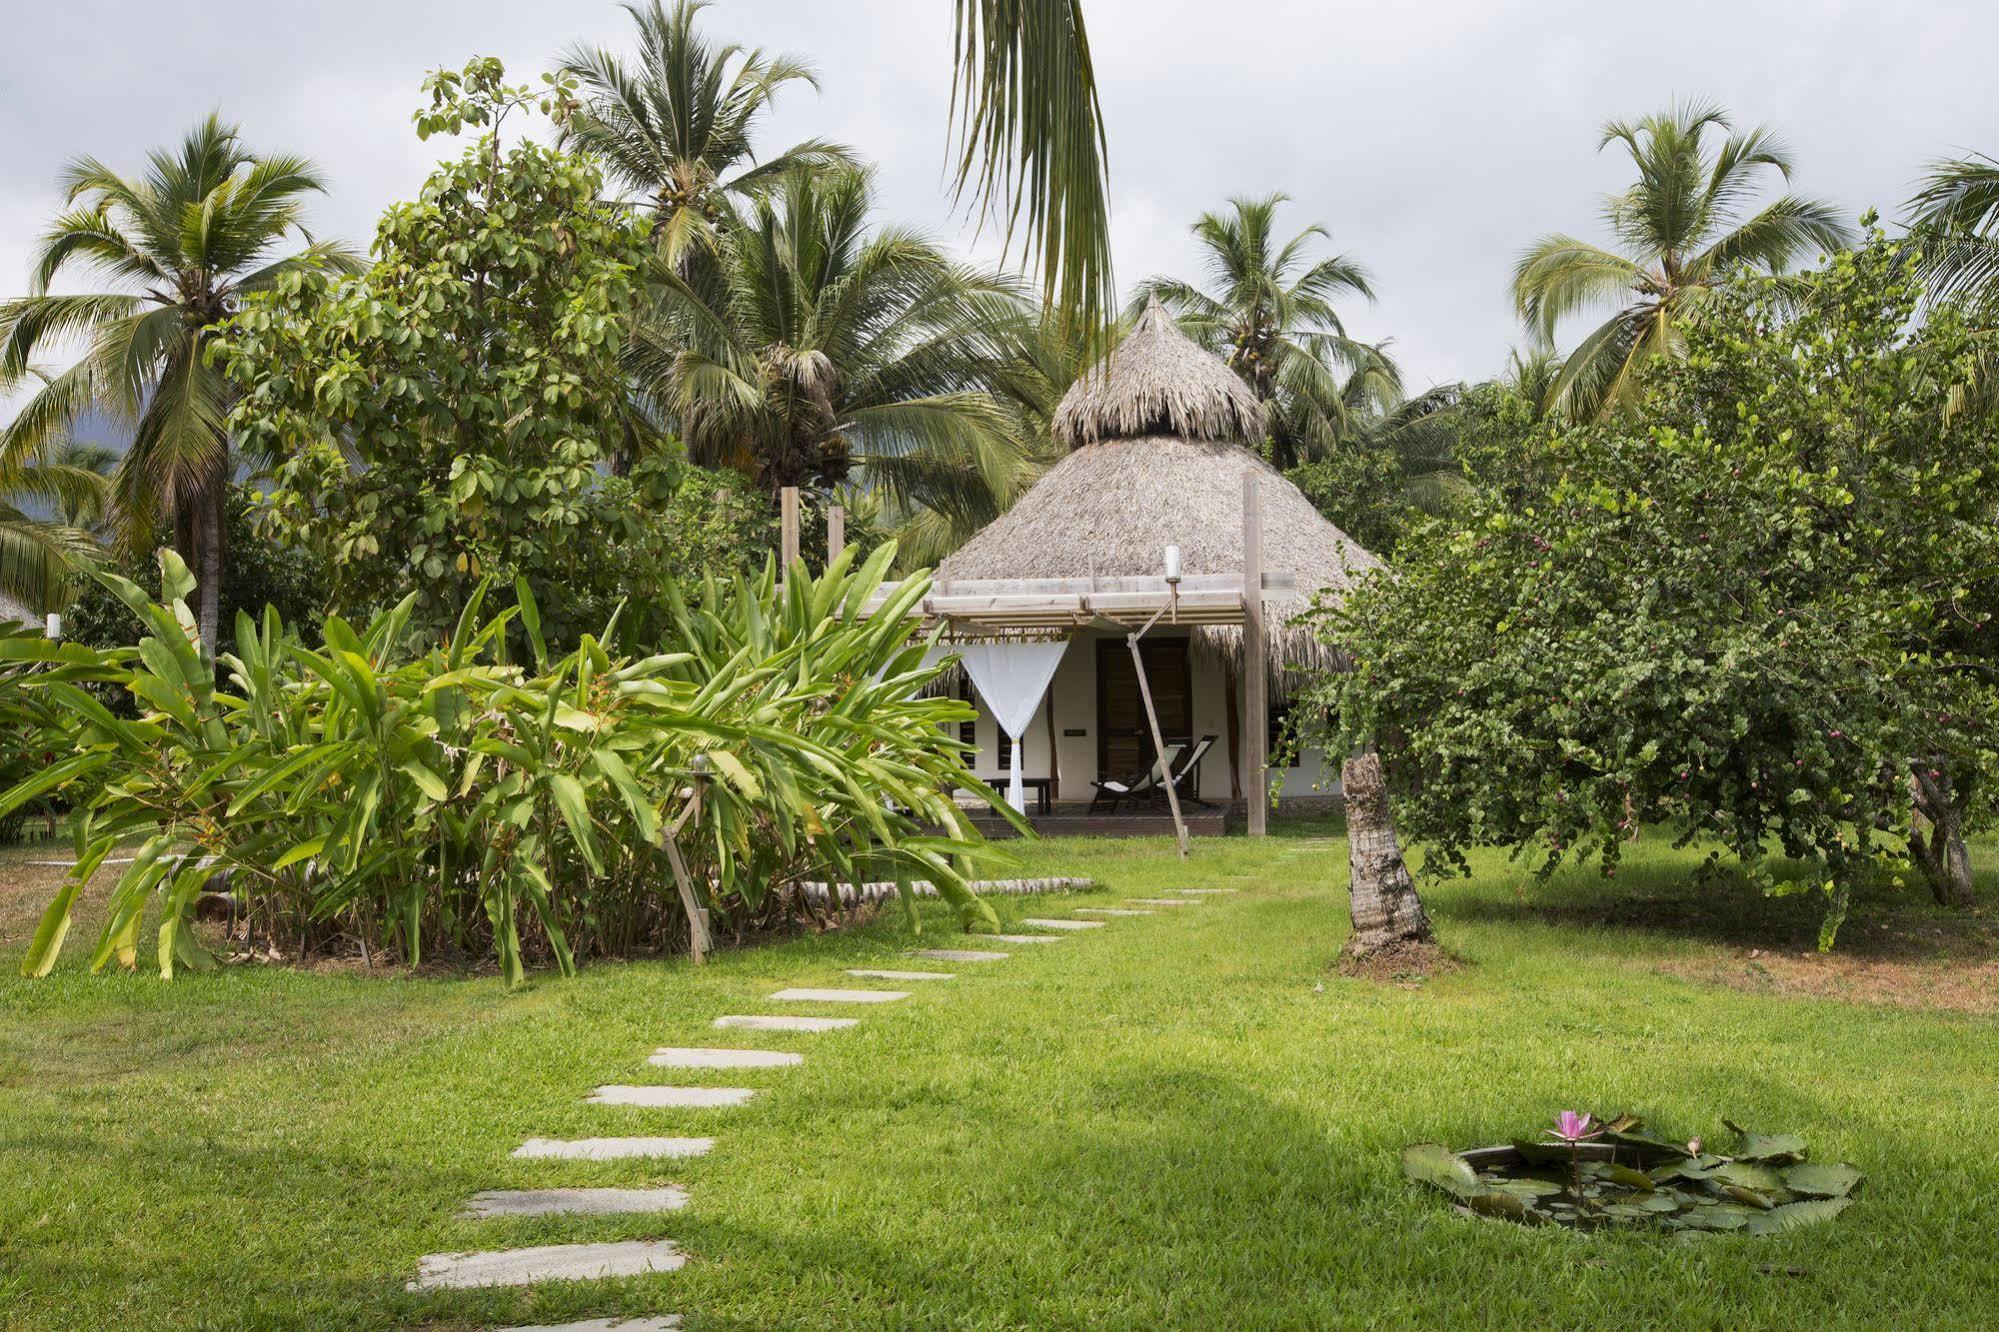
[
  {"x": 185, "y": 244},
  {"x": 677, "y": 127},
  {"x": 827, "y": 350},
  {"x": 1764, "y": 616},
  {"x": 1682, "y": 233},
  {"x": 1403, "y": 464},
  {"x": 1270, "y": 311},
  {"x": 442, "y": 414}
]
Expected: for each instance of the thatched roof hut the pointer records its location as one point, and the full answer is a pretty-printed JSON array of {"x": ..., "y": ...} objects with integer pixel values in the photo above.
[{"x": 1161, "y": 435}]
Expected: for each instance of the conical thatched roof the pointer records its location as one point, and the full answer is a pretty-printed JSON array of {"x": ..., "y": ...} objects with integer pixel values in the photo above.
[
  {"x": 1155, "y": 463},
  {"x": 1158, "y": 382},
  {"x": 1110, "y": 510}
]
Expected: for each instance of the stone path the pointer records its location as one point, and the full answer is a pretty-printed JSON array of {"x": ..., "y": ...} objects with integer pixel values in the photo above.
[
  {"x": 671, "y": 1098},
  {"x": 604, "y": 1325},
  {"x": 548, "y": 1262},
  {"x": 581, "y": 1262},
  {"x": 572, "y": 1202},
  {"x": 771, "y": 1022},
  {"x": 611, "y": 1149},
  {"x": 808, "y": 995},
  {"x": 681, "y": 1056}
]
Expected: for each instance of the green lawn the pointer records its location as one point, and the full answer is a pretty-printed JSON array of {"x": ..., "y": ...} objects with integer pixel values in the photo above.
[{"x": 1185, "y": 1120}]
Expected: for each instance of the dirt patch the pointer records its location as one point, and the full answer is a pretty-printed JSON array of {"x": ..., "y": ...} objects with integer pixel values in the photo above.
[
  {"x": 1406, "y": 964},
  {"x": 1944, "y": 986}
]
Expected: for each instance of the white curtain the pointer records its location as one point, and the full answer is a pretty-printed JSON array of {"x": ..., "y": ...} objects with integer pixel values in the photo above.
[{"x": 1011, "y": 677}]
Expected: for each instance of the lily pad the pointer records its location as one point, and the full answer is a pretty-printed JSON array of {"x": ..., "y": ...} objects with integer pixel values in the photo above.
[
  {"x": 1798, "y": 1215},
  {"x": 1437, "y": 1165},
  {"x": 1748, "y": 1175},
  {"x": 1623, "y": 1175},
  {"x": 1713, "y": 1218},
  {"x": 1776, "y": 1148},
  {"x": 1510, "y": 1206},
  {"x": 1823, "y": 1181}
]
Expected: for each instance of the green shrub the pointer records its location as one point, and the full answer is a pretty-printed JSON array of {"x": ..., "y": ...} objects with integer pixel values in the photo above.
[{"x": 452, "y": 795}]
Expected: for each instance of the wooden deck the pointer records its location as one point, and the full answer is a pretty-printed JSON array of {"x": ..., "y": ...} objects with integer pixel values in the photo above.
[{"x": 1075, "y": 820}]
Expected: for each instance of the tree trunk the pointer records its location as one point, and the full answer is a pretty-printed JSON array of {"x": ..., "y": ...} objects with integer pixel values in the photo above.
[
  {"x": 208, "y": 595},
  {"x": 1386, "y": 911},
  {"x": 1942, "y": 856}
]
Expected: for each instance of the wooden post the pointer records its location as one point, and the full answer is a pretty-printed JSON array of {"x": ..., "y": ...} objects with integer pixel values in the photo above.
[
  {"x": 787, "y": 518},
  {"x": 1255, "y": 662},
  {"x": 1054, "y": 748},
  {"x": 836, "y": 532},
  {"x": 1158, "y": 741},
  {"x": 698, "y": 939}
]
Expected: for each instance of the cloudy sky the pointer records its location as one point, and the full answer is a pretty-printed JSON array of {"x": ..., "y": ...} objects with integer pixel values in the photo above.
[{"x": 1434, "y": 137}]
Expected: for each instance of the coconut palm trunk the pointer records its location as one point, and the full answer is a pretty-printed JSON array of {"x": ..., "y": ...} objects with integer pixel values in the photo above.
[{"x": 1387, "y": 914}]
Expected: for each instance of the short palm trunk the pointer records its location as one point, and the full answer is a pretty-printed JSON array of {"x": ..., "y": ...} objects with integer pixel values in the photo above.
[{"x": 1387, "y": 914}]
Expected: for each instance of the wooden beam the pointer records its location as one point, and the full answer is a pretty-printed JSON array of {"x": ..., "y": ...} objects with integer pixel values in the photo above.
[
  {"x": 1255, "y": 665},
  {"x": 836, "y": 532},
  {"x": 787, "y": 518},
  {"x": 1158, "y": 742}
]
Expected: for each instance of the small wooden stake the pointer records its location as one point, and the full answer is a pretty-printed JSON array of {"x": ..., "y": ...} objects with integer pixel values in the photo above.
[
  {"x": 836, "y": 532},
  {"x": 787, "y": 516}
]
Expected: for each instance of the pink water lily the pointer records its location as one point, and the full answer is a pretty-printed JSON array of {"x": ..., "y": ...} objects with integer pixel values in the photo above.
[{"x": 1573, "y": 1127}]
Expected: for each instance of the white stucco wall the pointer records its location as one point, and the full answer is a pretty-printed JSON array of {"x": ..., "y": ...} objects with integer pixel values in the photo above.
[{"x": 1073, "y": 694}]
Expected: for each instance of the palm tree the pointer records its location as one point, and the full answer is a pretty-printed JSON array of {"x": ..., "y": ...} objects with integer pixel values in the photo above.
[
  {"x": 1269, "y": 310},
  {"x": 678, "y": 126},
  {"x": 1682, "y": 234},
  {"x": 38, "y": 554},
  {"x": 825, "y": 351},
  {"x": 1031, "y": 145},
  {"x": 1956, "y": 216},
  {"x": 183, "y": 244}
]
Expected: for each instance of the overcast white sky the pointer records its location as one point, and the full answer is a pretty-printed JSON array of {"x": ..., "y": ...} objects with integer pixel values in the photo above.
[{"x": 1435, "y": 139}]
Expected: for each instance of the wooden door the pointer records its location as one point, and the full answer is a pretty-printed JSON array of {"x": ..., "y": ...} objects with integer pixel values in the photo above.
[{"x": 1124, "y": 740}]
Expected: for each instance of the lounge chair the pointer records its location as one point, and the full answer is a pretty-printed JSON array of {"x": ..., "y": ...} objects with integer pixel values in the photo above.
[
  {"x": 1186, "y": 779},
  {"x": 1142, "y": 785}
]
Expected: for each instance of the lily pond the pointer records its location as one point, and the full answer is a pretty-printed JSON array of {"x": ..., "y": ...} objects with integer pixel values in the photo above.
[{"x": 1591, "y": 1174}]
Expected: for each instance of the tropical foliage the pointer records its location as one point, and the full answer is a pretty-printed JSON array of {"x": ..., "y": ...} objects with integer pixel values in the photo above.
[
  {"x": 1031, "y": 146},
  {"x": 824, "y": 349},
  {"x": 1955, "y": 215},
  {"x": 677, "y": 126},
  {"x": 1762, "y": 616},
  {"x": 1682, "y": 231},
  {"x": 183, "y": 245},
  {"x": 456, "y": 801},
  {"x": 1271, "y": 310},
  {"x": 441, "y": 416}
]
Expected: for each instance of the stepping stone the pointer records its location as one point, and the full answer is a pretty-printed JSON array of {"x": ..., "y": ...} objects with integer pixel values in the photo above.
[
  {"x": 807, "y": 995},
  {"x": 873, "y": 974},
  {"x": 571, "y": 1202},
  {"x": 611, "y": 1149},
  {"x": 1024, "y": 938},
  {"x": 1041, "y": 924},
  {"x": 1161, "y": 901},
  {"x": 671, "y": 1098},
  {"x": 767, "y": 1022},
  {"x": 1205, "y": 892},
  {"x": 956, "y": 955},
  {"x": 548, "y": 1262},
  {"x": 678, "y": 1056},
  {"x": 666, "y": 1323},
  {"x": 1109, "y": 911}
]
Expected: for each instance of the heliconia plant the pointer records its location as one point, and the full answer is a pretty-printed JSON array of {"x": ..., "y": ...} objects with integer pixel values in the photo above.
[{"x": 451, "y": 795}]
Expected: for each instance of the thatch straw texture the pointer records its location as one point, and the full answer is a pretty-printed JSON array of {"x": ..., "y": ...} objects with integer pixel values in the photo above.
[
  {"x": 1110, "y": 510},
  {"x": 1158, "y": 382}
]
